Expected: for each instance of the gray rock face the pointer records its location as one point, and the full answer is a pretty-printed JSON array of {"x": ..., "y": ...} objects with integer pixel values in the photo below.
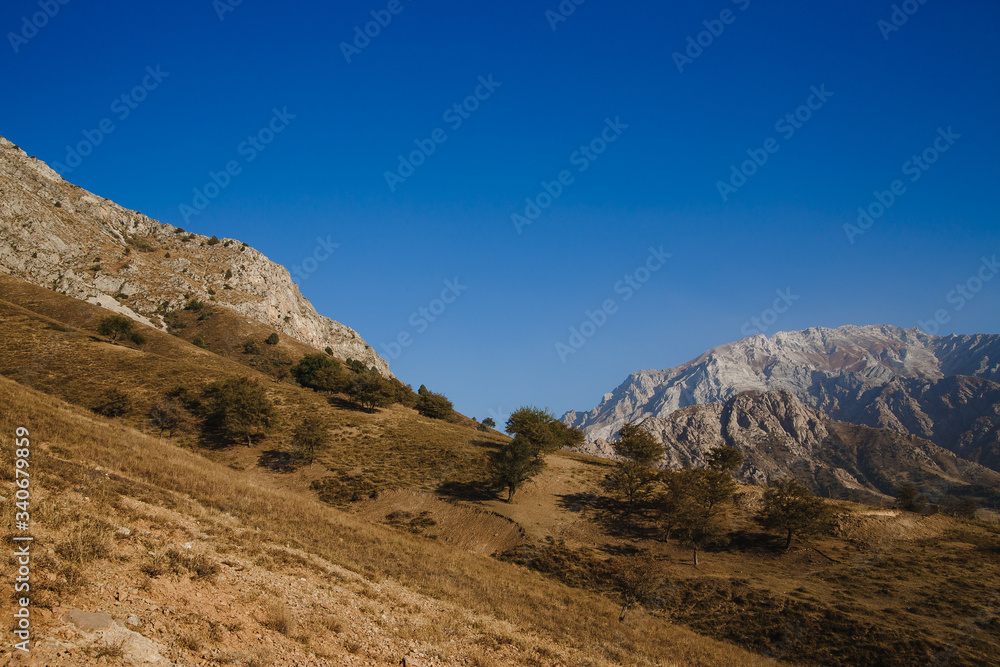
[
  {"x": 880, "y": 376},
  {"x": 780, "y": 438},
  {"x": 59, "y": 236}
]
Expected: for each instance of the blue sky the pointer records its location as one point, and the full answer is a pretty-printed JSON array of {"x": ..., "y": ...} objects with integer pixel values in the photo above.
[{"x": 640, "y": 136}]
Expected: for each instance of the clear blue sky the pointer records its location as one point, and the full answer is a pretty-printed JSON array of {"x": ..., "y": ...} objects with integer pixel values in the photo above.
[{"x": 494, "y": 347}]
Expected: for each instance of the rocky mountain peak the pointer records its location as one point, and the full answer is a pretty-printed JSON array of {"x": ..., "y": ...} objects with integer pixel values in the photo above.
[
  {"x": 62, "y": 237},
  {"x": 943, "y": 388}
]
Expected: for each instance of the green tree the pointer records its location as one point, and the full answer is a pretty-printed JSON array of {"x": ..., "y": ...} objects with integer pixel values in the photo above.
[
  {"x": 319, "y": 371},
  {"x": 692, "y": 507},
  {"x": 119, "y": 327},
  {"x": 792, "y": 509},
  {"x": 238, "y": 409},
  {"x": 310, "y": 436},
  {"x": 542, "y": 430},
  {"x": 435, "y": 406},
  {"x": 633, "y": 478},
  {"x": 725, "y": 459},
  {"x": 637, "y": 444},
  {"x": 632, "y": 482},
  {"x": 370, "y": 391},
  {"x": 909, "y": 499},
  {"x": 272, "y": 339},
  {"x": 536, "y": 433},
  {"x": 487, "y": 425},
  {"x": 514, "y": 464},
  {"x": 251, "y": 347}
]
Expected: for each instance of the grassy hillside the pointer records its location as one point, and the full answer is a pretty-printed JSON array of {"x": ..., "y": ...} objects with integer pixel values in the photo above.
[
  {"x": 242, "y": 569},
  {"x": 228, "y": 554}
]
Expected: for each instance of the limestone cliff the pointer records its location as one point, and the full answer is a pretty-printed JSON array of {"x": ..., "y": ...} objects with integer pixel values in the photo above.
[{"x": 59, "y": 236}]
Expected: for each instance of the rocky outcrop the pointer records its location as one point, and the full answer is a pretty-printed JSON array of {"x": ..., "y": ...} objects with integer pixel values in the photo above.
[
  {"x": 781, "y": 438},
  {"x": 879, "y": 376},
  {"x": 60, "y": 236}
]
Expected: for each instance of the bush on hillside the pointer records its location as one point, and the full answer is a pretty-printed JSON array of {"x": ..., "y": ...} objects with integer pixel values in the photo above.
[
  {"x": 116, "y": 403},
  {"x": 238, "y": 409},
  {"x": 310, "y": 436},
  {"x": 272, "y": 339},
  {"x": 319, "y": 372},
  {"x": 119, "y": 327},
  {"x": 435, "y": 406}
]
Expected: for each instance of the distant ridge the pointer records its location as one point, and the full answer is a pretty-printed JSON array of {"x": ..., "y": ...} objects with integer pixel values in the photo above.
[{"x": 942, "y": 388}]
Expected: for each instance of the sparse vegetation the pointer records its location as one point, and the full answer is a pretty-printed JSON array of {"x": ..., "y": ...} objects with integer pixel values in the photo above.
[
  {"x": 119, "y": 327},
  {"x": 909, "y": 583},
  {"x": 272, "y": 339},
  {"x": 115, "y": 403}
]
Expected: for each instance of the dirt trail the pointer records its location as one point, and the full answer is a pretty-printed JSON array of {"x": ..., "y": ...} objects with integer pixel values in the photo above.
[{"x": 476, "y": 530}]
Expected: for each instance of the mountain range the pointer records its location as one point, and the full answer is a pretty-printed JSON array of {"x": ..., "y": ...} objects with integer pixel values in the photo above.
[{"x": 938, "y": 397}]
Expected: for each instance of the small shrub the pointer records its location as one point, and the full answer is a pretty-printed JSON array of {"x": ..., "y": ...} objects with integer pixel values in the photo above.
[
  {"x": 214, "y": 240},
  {"x": 329, "y": 351},
  {"x": 116, "y": 403},
  {"x": 272, "y": 339},
  {"x": 112, "y": 650},
  {"x": 116, "y": 327},
  {"x": 198, "y": 342},
  {"x": 90, "y": 540},
  {"x": 229, "y": 274},
  {"x": 251, "y": 347},
  {"x": 280, "y": 619}
]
